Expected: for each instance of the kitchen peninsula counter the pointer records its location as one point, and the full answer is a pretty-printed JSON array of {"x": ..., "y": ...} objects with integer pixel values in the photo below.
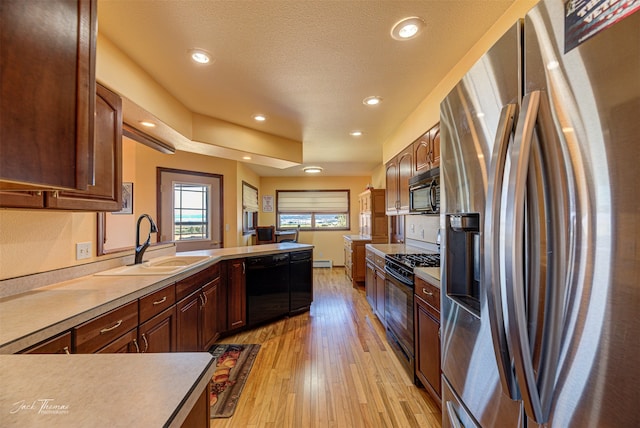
[
  {"x": 151, "y": 390},
  {"x": 35, "y": 315}
]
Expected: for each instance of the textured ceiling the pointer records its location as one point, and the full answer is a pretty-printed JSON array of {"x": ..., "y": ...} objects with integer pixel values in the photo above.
[{"x": 307, "y": 65}]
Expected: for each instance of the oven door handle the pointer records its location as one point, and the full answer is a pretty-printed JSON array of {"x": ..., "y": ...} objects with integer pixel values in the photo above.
[{"x": 398, "y": 277}]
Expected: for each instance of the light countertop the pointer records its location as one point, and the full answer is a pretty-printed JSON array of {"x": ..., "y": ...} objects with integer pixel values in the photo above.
[
  {"x": 110, "y": 390},
  {"x": 357, "y": 237},
  {"x": 30, "y": 317}
]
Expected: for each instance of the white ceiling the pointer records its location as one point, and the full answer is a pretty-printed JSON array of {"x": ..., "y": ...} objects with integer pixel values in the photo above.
[{"x": 306, "y": 64}]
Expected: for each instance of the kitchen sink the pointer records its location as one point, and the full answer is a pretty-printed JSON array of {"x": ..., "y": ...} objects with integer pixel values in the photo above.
[{"x": 158, "y": 266}]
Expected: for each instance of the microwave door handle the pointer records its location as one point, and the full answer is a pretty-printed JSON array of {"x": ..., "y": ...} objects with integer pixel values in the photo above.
[
  {"x": 432, "y": 195},
  {"x": 491, "y": 250}
]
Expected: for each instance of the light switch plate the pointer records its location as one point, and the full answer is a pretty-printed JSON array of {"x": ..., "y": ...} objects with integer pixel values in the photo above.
[{"x": 83, "y": 250}]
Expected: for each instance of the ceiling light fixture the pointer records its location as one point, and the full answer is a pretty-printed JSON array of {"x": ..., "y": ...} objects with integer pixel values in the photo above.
[
  {"x": 259, "y": 117},
  {"x": 147, "y": 124},
  {"x": 355, "y": 133},
  {"x": 407, "y": 28},
  {"x": 312, "y": 169},
  {"x": 372, "y": 101},
  {"x": 200, "y": 56}
]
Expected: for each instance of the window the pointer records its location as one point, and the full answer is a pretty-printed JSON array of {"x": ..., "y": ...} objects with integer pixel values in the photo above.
[
  {"x": 313, "y": 209},
  {"x": 249, "y": 208},
  {"x": 190, "y": 209}
]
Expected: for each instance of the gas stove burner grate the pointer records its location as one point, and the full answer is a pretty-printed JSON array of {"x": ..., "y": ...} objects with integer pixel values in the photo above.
[{"x": 417, "y": 260}]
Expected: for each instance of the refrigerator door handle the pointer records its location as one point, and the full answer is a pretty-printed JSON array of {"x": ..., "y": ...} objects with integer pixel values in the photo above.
[
  {"x": 513, "y": 239},
  {"x": 491, "y": 250}
]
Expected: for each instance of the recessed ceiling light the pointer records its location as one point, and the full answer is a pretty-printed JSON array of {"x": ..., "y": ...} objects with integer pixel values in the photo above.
[
  {"x": 246, "y": 157},
  {"x": 259, "y": 117},
  {"x": 372, "y": 101},
  {"x": 147, "y": 124},
  {"x": 312, "y": 169},
  {"x": 407, "y": 28},
  {"x": 355, "y": 133},
  {"x": 200, "y": 56}
]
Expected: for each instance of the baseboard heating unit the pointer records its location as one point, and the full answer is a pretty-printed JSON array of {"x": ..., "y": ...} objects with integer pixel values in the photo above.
[{"x": 323, "y": 263}]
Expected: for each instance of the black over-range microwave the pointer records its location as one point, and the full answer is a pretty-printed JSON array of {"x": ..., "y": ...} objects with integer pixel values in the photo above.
[{"x": 424, "y": 192}]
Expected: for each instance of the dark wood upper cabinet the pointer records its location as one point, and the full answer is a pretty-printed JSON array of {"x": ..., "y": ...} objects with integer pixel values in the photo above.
[
  {"x": 47, "y": 52},
  {"x": 106, "y": 192},
  {"x": 426, "y": 150}
]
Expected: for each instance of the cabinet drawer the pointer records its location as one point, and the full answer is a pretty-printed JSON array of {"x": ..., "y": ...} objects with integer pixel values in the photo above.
[
  {"x": 60, "y": 344},
  {"x": 379, "y": 262},
  {"x": 370, "y": 256},
  {"x": 100, "y": 331},
  {"x": 125, "y": 344},
  {"x": 190, "y": 284},
  {"x": 156, "y": 302},
  {"x": 429, "y": 293}
]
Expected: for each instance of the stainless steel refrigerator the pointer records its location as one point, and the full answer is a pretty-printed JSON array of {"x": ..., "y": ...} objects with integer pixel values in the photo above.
[{"x": 540, "y": 181}]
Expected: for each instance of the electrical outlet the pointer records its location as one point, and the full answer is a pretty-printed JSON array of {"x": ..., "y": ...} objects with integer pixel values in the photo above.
[{"x": 83, "y": 250}]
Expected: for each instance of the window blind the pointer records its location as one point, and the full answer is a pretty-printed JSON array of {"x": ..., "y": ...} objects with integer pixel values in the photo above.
[
  {"x": 249, "y": 199},
  {"x": 333, "y": 201}
]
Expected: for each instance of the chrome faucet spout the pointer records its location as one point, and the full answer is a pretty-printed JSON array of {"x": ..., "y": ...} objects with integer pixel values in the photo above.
[{"x": 140, "y": 249}]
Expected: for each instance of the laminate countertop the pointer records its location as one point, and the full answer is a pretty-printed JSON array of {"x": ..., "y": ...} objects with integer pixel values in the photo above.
[
  {"x": 30, "y": 317},
  {"x": 109, "y": 390}
]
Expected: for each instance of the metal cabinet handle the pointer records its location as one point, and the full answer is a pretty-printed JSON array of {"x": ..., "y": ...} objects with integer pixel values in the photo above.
[
  {"x": 135, "y": 342},
  {"x": 66, "y": 350},
  {"x": 108, "y": 329},
  {"x": 158, "y": 302},
  {"x": 146, "y": 343},
  {"x": 427, "y": 292},
  {"x": 243, "y": 268}
]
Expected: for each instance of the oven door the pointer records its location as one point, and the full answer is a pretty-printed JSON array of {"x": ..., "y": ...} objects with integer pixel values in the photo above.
[{"x": 399, "y": 319}]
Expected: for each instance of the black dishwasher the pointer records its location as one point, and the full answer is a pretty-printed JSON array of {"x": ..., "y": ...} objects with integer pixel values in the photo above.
[
  {"x": 301, "y": 281},
  {"x": 267, "y": 287}
]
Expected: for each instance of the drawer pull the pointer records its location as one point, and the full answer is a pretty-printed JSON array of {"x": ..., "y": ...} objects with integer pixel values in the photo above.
[
  {"x": 158, "y": 302},
  {"x": 135, "y": 342},
  {"x": 66, "y": 350},
  {"x": 106, "y": 330},
  {"x": 427, "y": 292}
]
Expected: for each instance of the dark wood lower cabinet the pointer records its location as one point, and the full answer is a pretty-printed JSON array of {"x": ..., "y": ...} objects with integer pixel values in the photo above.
[
  {"x": 127, "y": 343},
  {"x": 427, "y": 337},
  {"x": 60, "y": 344},
  {"x": 209, "y": 313},
  {"x": 200, "y": 412},
  {"x": 236, "y": 294},
  {"x": 188, "y": 323},
  {"x": 159, "y": 333}
]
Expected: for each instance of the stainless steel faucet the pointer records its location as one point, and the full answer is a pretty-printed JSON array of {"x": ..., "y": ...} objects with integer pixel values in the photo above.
[{"x": 141, "y": 248}]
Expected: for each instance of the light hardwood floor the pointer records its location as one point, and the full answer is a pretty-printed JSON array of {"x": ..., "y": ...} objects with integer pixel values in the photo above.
[{"x": 329, "y": 367}]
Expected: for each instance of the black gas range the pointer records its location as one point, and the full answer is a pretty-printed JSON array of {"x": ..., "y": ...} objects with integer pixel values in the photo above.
[{"x": 400, "y": 266}]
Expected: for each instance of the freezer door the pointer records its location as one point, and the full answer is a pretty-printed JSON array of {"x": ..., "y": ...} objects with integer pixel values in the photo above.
[
  {"x": 575, "y": 339},
  {"x": 469, "y": 119}
]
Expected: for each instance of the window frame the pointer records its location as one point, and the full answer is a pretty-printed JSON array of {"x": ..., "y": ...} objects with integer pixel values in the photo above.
[
  {"x": 313, "y": 213},
  {"x": 246, "y": 214}
]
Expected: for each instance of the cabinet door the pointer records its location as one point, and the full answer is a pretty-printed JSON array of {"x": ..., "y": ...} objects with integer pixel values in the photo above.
[
  {"x": 125, "y": 344},
  {"x": 435, "y": 143},
  {"x": 391, "y": 174},
  {"x": 405, "y": 172},
  {"x": 427, "y": 348},
  {"x": 60, "y": 344},
  {"x": 47, "y": 52},
  {"x": 188, "y": 323},
  {"x": 236, "y": 294},
  {"x": 210, "y": 328},
  {"x": 159, "y": 333},
  {"x": 370, "y": 285},
  {"x": 422, "y": 153},
  {"x": 380, "y": 295},
  {"x": 106, "y": 192}
]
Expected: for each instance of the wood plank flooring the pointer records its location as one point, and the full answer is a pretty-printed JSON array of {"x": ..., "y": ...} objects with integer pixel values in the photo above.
[{"x": 329, "y": 367}]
